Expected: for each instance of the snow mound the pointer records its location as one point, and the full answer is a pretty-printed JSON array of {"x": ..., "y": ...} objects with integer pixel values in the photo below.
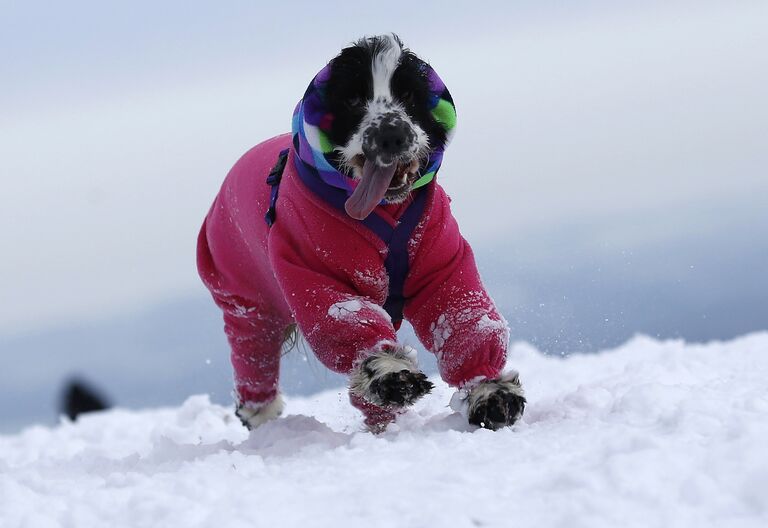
[{"x": 650, "y": 434}]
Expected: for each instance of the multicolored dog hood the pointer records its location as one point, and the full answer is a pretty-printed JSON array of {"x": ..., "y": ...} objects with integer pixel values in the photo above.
[{"x": 312, "y": 120}]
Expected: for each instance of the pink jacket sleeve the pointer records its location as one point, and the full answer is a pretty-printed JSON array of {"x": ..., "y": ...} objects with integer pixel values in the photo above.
[
  {"x": 332, "y": 304},
  {"x": 453, "y": 315}
]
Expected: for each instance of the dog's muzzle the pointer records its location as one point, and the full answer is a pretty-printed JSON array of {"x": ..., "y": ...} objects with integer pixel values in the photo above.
[
  {"x": 388, "y": 139},
  {"x": 388, "y": 152}
]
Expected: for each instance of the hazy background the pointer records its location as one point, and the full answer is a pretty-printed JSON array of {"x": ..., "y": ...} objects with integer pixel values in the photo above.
[{"x": 609, "y": 169}]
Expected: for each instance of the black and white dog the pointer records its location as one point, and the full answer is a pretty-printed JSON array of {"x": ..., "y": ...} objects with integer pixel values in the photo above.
[{"x": 363, "y": 239}]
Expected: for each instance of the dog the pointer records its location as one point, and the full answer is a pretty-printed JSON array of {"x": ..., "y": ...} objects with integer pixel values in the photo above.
[{"x": 340, "y": 230}]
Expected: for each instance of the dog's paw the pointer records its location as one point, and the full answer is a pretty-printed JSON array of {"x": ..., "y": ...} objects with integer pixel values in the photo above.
[
  {"x": 253, "y": 414},
  {"x": 493, "y": 404},
  {"x": 402, "y": 388},
  {"x": 389, "y": 378}
]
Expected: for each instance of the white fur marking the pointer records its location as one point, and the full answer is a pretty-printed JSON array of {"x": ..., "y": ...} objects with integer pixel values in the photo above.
[
  {"x": 384, "y": 65},
  {"x": 256, "y": 414}
]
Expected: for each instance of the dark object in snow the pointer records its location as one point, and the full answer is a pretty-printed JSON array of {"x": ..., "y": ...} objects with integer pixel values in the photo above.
[
  {"x": 494, "y": 404},
  {"x": 78, "y": 398}
]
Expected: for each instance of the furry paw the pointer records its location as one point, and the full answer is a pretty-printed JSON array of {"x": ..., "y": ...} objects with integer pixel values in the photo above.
[
  {"x": 399, "y": 389},
  {"x": 390, "y": 378},
  {"x": 253, "y": 414},
  {"x": 493, "y": 404}
]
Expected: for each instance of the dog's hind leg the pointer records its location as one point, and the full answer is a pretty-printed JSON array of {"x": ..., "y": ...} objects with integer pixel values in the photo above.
[
  {"x": 255, "y": 337},
  {"x": 255, "y": 317}
]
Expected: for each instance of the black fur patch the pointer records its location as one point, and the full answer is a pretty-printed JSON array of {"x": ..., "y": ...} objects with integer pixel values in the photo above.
[
  {"x": 500, "y": 409},
  {"x": 349, "y": 88},
  {"x": 398, "y": 389},
  {"x": 410, "y": 86}
]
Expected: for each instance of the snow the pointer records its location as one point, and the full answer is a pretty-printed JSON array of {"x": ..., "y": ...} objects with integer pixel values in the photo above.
[
  {"x": 375, "y": 280},
  {"x": 348, "y": 309},
  {"x": 441, "y": 330},
  {"x": 486, "y": 323},
  {"x": 341, "y": 310},
  {"x": 650, "y": 434}
]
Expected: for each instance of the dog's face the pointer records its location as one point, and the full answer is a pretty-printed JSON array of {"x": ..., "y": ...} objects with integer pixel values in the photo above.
[{"x": 383, "y": 130}]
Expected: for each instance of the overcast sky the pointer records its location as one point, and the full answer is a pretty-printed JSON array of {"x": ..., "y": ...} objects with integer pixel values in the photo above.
[{"x": 119, "y": 123}]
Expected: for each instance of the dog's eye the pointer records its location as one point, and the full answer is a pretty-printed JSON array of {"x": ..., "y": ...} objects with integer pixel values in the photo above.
[
  {"x": 407, "y": 97},
  {"x": 355, "y": 101}
]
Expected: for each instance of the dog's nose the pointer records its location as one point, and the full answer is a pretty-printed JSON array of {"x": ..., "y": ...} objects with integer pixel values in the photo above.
[
  {"x": 388, "y": 139},
  {"x": 392, "y": 137}
]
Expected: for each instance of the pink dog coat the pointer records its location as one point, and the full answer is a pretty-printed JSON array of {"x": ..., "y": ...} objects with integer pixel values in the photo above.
[{"x": 328, "y": 273}]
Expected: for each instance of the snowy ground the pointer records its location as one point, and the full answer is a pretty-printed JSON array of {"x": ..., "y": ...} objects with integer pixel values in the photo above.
[{"x": 650, "y": 434}]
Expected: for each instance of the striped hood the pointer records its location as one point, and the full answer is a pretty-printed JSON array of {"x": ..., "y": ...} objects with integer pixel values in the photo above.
[{"x": 311, "y": 121}]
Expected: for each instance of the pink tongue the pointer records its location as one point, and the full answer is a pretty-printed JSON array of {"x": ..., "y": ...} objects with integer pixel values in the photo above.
[{"x": 370, "y": 191}]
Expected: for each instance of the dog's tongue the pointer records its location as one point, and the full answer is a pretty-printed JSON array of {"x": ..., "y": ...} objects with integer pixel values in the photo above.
[{"x": 370, "y": 191}]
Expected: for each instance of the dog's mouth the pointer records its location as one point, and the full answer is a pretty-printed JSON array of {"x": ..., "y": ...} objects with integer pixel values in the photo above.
[{"x": 379, "y": 182}]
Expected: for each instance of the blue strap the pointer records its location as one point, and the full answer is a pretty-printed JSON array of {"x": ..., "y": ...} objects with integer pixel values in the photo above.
[
  {"x": 396, "y": 238},
  {"x": 275, "y": 175},
  {"x": 396, "y": 262}
]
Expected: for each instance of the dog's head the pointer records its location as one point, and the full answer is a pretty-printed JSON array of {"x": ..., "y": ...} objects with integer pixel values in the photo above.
[{"x": 382, "y": 120}]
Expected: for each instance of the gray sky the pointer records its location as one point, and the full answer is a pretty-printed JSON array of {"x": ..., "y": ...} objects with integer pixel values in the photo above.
[{"x": 119, "y": 123}]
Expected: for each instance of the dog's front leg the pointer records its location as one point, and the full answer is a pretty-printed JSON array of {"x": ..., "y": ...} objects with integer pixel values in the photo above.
[
  {"x": 456, "y": 319},
  {"x": 347, "y": 329},
  {"x": 353, "y": 335},
  {"x": 384, "y": 381},
  {"x": 470, "y": 341}
]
